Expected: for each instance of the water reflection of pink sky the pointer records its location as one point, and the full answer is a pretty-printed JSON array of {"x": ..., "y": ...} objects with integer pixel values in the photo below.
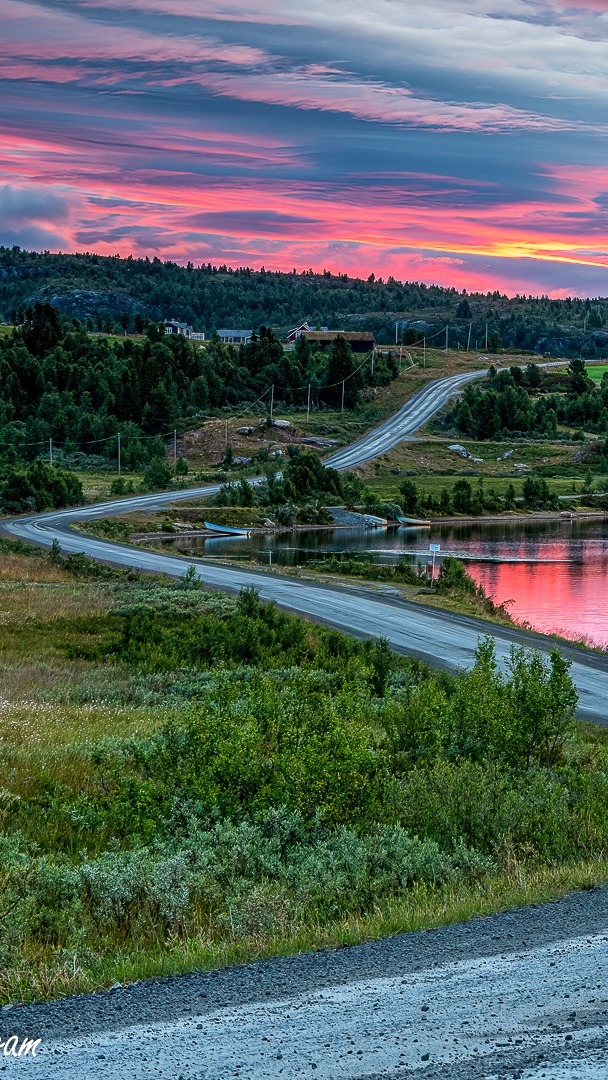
[{"x": 567, "y": 597}]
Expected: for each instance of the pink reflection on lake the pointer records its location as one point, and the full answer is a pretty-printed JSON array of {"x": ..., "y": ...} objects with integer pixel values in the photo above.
[
  {"x": 560, "y": 583},
  {"x": 566, "y": 594}
]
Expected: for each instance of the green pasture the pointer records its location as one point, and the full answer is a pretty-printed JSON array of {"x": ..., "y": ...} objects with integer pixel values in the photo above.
[
  {"x": 387, "y": 487},
  {"x": 595, "y": 371}
]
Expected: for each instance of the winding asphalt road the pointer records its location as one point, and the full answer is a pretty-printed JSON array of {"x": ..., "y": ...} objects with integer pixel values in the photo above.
[
  {"x": 438, "y": 637},
  {"x": 518, "y": 994},
  {"x": 413, "y": 415}
]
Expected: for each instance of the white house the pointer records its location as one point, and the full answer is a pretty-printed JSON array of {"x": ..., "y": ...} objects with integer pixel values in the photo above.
[{"x": 172, "y": 326}]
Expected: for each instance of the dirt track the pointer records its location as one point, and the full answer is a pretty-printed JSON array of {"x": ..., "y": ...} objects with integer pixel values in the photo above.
[{"x": 518, "y": 994}]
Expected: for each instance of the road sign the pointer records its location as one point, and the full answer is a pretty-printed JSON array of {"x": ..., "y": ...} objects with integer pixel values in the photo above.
[{"x": 434, "y": 549}]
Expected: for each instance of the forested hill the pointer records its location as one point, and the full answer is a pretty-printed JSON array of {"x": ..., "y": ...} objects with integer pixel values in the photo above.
[{"x": 111, "y": 293}]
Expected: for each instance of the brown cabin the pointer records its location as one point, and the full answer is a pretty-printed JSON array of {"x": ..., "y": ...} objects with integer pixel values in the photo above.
[{"x": 361, "y": 341}]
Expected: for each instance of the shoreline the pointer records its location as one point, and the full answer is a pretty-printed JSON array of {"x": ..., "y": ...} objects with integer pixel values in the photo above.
[
  {"x": 518, "y": 516},
  {"x": 490, "y": 519}
]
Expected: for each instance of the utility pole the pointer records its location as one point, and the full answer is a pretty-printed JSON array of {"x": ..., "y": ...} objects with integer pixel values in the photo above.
[
  {"x": 119, "y": 453},
  {"x": 447, "y": 330},
  {"x": 400, "y": 356},
  {"x": 396, "y": 332},
  {"x": 469, "y": 341},
  {"x": 424, "y": 351},
  {"x": 271, "y": 402},
  {"x": 486, "y": 337},
  {"x": 308, "y": 406},
  {"x": 343, "y": 388},
  {"x": 373, "y": 354},
  {"x": 175, "y": 451},
  {"x": 50, "y": 451},
  {"x": 226, "y": 434}
]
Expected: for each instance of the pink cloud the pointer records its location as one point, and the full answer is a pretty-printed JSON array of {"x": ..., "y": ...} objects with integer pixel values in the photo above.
[
  {"x": 160, "y": 135},
  {"x": 66, "y": 36}
]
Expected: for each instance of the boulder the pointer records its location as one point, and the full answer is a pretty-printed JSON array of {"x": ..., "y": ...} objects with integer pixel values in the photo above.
[{"x": 315, "y": 440}]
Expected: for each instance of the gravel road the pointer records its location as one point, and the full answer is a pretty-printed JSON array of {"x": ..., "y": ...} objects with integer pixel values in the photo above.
[{"x": 519, "y": 994}]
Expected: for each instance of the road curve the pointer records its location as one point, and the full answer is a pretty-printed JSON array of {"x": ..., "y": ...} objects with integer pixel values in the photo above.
[
  {"x": 522, "y": 993},
  {"x": 409, "y": 418},
  {"x": 438, "y": 637},
  {"x": 416, "y": 412}
]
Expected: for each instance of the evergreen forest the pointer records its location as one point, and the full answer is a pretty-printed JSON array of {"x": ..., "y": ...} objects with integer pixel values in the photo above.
[{"x": 111, "y": 294}]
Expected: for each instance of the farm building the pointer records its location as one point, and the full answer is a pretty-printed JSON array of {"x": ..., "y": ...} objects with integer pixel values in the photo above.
[
  {"x": 360, "y": 341},
  {"x": 297, "y": 332}
]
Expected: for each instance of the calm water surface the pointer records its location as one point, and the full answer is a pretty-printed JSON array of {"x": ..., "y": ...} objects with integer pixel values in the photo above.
[{"x": 554, "y": 573}]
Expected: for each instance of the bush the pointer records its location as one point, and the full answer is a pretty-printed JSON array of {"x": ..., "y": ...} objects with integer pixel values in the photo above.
[
  {"x": 537, "y": 494},
  {"x": 287, "y": 777},
  {"x": 37, "y": 487},
  {"x": 157, "y": 475},
  {"x": 120, "y": 486}
]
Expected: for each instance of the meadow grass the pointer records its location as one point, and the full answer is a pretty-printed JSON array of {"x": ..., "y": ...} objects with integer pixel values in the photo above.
[
  {"x": 191, "y": 780},
  {"x": 386, "y": 486},
  {"x": 96, "y": 483},
  {"x": 595, "y": 371},
  {"x": 46, "y": 976}
]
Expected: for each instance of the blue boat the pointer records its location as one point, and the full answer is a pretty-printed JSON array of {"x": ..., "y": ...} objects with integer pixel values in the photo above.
[{"x": 226, "y": 530}]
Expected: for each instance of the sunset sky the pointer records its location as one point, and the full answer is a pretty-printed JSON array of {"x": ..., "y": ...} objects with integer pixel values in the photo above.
[{"x": 462, "y": 142}]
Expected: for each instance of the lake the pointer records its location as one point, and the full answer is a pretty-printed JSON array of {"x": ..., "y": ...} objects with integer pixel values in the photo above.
[{"x": 554, "y": 573}]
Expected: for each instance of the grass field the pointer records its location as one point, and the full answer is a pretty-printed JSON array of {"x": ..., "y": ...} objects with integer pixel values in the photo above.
[
  {"x": 118, "y": 862},
  {"x": 432, "y": 466},
  {"x": 595, "y": 371},
  {"x": 387, "y": 487},
  {"x": 96, "y": 483}
]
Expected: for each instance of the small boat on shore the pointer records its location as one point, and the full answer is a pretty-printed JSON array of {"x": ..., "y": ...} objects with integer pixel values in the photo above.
[
  {"x": 418, "y": 522},
  {"x": 227, "y": 530}
]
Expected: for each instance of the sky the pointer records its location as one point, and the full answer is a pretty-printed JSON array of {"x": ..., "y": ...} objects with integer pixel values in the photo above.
[{"x": 457, "y": 142}]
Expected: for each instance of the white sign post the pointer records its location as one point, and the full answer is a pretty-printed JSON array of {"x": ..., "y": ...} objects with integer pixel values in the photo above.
[{"x": 434, "y": 549}]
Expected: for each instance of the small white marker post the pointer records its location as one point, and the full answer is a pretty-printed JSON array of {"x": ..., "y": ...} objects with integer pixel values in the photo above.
[{"x": 434, "y": 550}]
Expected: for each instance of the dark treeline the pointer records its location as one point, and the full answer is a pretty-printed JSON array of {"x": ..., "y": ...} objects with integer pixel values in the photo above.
[
  {"x": 529, "y": 401},
  {"x": 108, "y": 294},
  {"x": 59, "y": 382},
  {"x": 474, "y": 500}
]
